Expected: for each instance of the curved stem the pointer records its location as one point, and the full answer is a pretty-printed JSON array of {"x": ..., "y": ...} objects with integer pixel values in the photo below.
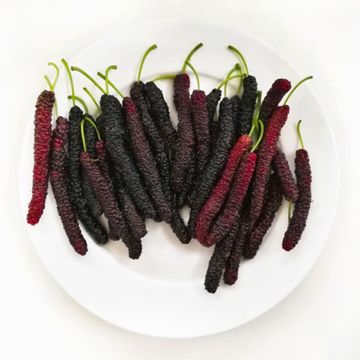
[
  {"x": 81, "y": 101},
  {"x": 223, "y": 82},
  {"x": 299, "y": 134},
  {"x": 164, "y": 77},
  {"x": 111, "y": 67},
  {"x": 93, "y": 124},
  {"x": 191, "y": 53},
  {"x": 253, "y": 126},
  {"x": 195, "y": 73},
  {"x": 228, "y": 77},
  {"x": 255, "y": 146},
  {"x": 83, "y": 72},
  {"x": 241, "y": 56},
  {"x": 295, "y": 87},
  {"x": 241, "y": 78},
  {"x": 57, "y": 71},
  {"x": 82, "y": 132},
  {"x": 67, "y": 68},
  {"x": 255, "y": 119},
  {"x": 91, "y": 96},
  {"x": 53, "y": 84},
  {"x": 151, "y": 48},
  {"x": 102, "y": 76}
]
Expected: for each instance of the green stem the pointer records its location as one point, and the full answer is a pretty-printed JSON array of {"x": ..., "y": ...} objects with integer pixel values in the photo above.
[
  {"x": 289, "y": 211},
  {"x": 191, "y": 53},
  {"x": 111, "y": 67},
  {"x": 299, "y": 134},
  {"x": 223, "y": 82},
  {"x": 295, "y": 87},
  {"x": 241, "y": 56},
  {"x": 151, "y": 48},
  {"x": 67, "y": 68},
  {"x": 83, "y": 72},
  {"x": 195, "y": 73},
  {"x": 255, "y": 146},
  {"x": 164, "y": 77},
  {"x": 252, "y": 129},
  {"x": 102, "y": 76},
  {"x": 255, "y": 119},
  {"x": 93, "y": 124},
  {"x": 228, "y": 77},
  {"x": 241, "y": 78},
  {"x": 81, "y": 101},
  {"x": 91, "y": 96},
  {"x": 53, "y": 84},
  {"x": 82, "y": 131}
]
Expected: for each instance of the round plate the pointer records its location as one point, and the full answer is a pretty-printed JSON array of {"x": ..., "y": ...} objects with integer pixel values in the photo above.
[{"x": 162, "y": 293}]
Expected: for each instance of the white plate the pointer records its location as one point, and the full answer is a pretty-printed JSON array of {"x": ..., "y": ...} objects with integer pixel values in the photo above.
[{"x": 162, "y": 294}]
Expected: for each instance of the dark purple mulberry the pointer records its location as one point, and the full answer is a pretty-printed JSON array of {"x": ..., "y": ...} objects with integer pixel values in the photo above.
[
  {"x": 218, "y": 261},
  {"x": 212, "y": 100},
  {"x": 282, "y": 169},
  {"x": 82, "y": 209},
  {"x": 58, "y": 184},
  {"x": 302, "y": 206},
  {"x": 185, "y": 141},
  {"x": 273, "y": 197},
  {"x": 160, "y": 113},
  {"x": 145, "y": 159},
  {"x": 216, "y": 162},
  {"x": 113, "y": 128}
]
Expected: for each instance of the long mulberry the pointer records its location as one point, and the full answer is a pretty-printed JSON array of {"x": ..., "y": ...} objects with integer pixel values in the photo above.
[
  {"x": 216, "y": 162},
  {"x": 113, "y": 128},
  {"x": 218, "y": 260},
  {"x": 58, "y": 184},
  {"x": 273, "y": 197},
  {"x": 42, "y": 145},
  {"x": 234, "y": 203},
  {"x": 145, "y": 159},
  {"x": 302, "y": 206},
  {"x": 94, "y": 228},
  {"x": 220, "y": 192},
  {"x": 266, "y": 153},
  {"x": 282, "y": 169}
]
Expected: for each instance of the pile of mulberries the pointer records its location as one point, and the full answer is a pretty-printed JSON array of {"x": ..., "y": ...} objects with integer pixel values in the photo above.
[{"x": 114, "y": 170}]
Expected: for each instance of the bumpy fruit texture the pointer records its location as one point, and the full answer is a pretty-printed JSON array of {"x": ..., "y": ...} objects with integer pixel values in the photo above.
[
  {"x": 58, "y": 184},
  {"x": 122, "y": 161},
  {"x": 145, "y": 160},
  {"x": 185, "y": 140},
  {"x": 282, "y": 169},
  {"x": 266, "y": 153},
  {"x": 42, "y": 145},
  {"x": 212, "y": 100},
  {"x": 272, "y": 203},
  {"x": 200, "y": 118},
  {"x": 218, "y": 261},
  {"x": 272, "y": 99},
  {"x": 155, "y": 120},
  {"x": 302, "y": 206},
  {"x": 160, "y": 113},
  {"x": 216, "y": 162},
  {"x": 213, "y": 204},
  {"x": 90, "y": 136},
  {"x": 81, "y": 207},
  {"x": 247, "y": 105},
  {"x": 233, "y": 262},
  {"x": 232, "y": 208}
]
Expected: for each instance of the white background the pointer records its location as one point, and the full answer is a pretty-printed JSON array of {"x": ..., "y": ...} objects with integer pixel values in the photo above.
[{"x": 319, "y": 320}]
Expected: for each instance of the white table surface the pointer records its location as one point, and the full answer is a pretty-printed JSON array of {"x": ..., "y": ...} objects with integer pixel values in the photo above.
[{"x": 319, "y": 320}]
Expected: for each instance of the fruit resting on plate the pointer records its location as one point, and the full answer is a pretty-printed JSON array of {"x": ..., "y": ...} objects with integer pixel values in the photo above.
[{"x": 127, "y": 162}]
